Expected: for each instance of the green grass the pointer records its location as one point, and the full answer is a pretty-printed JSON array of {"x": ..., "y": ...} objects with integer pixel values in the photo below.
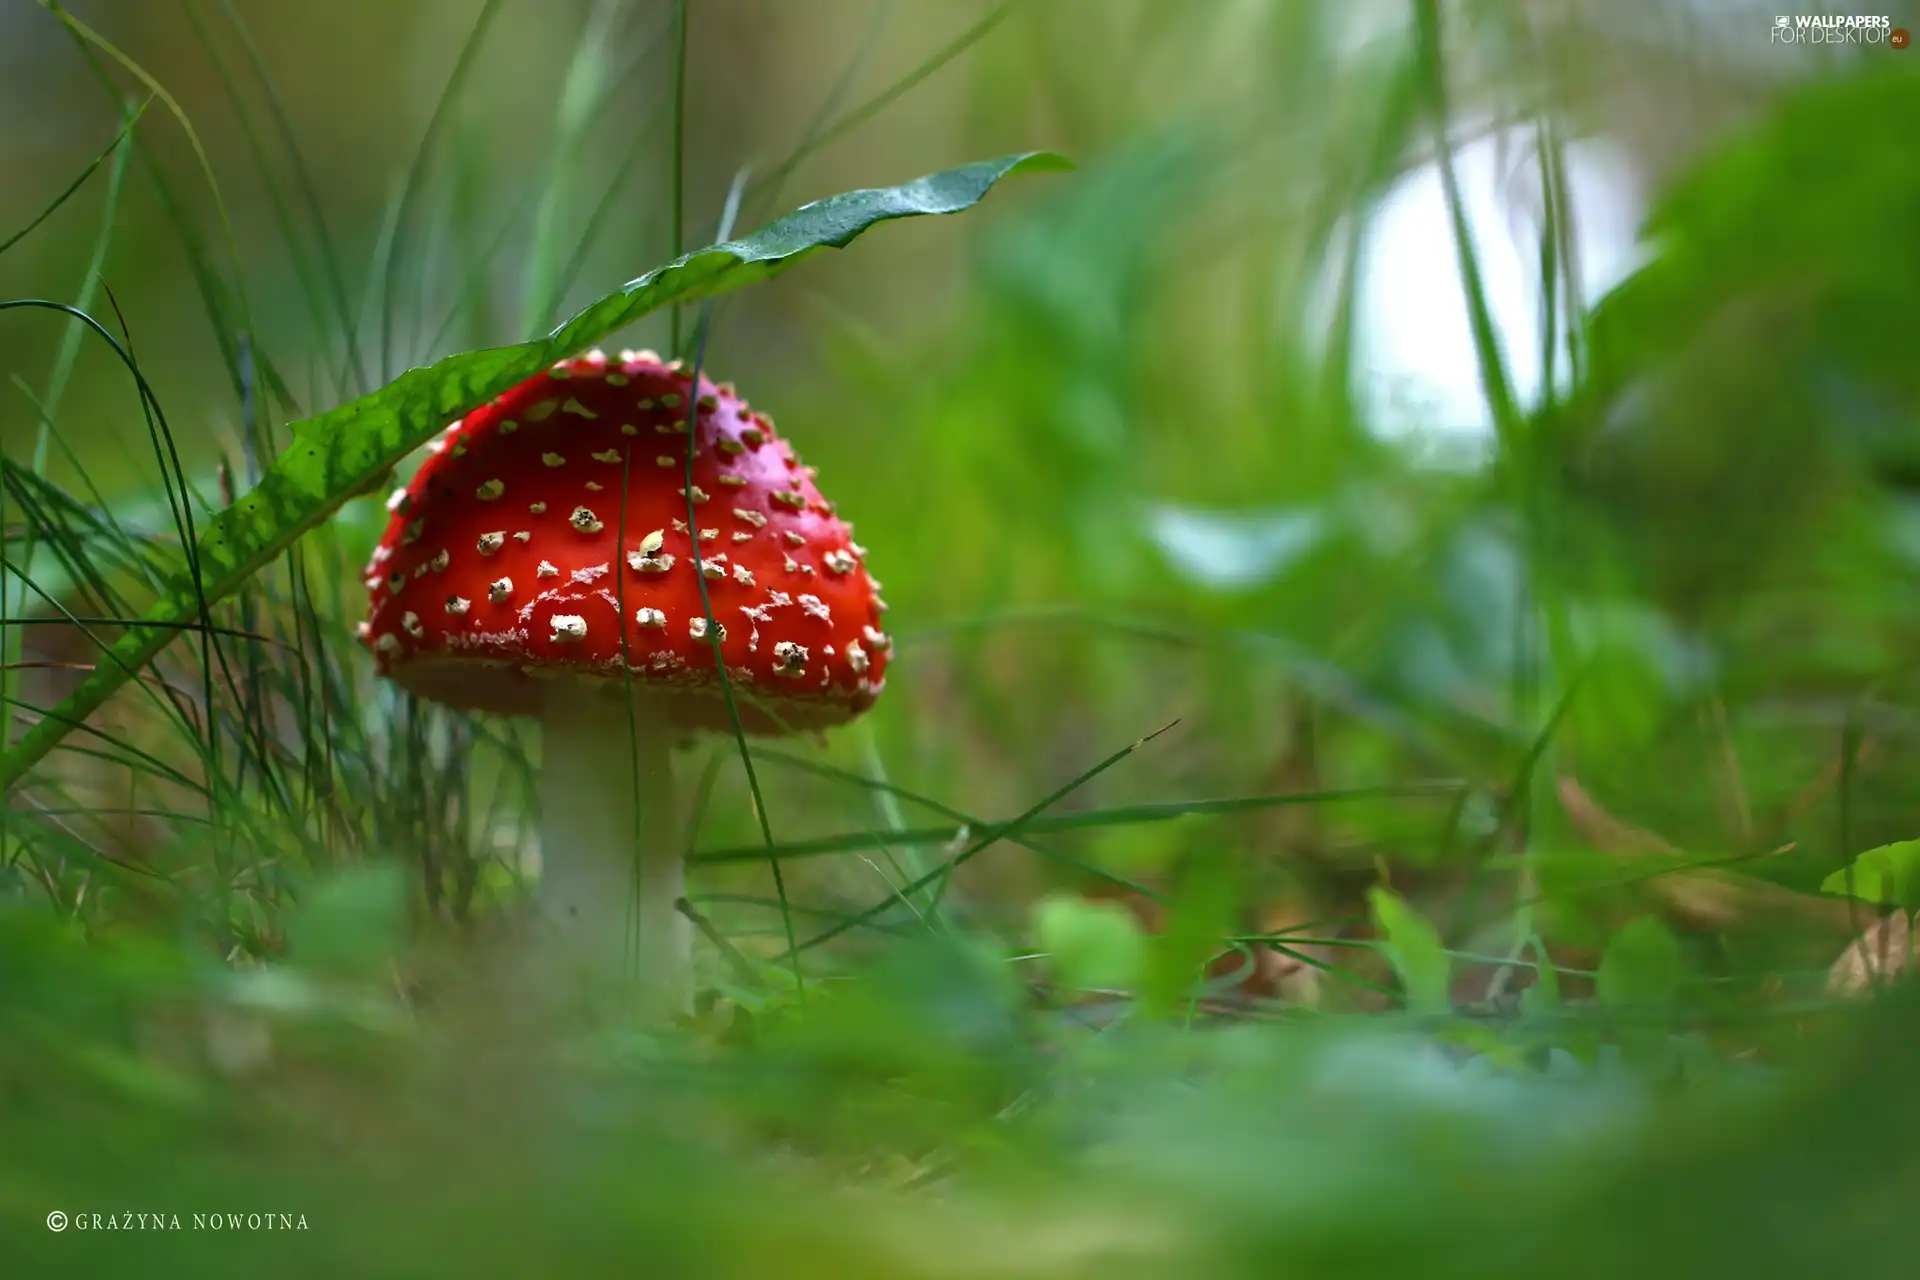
[{"x": 1387, "y": 998}]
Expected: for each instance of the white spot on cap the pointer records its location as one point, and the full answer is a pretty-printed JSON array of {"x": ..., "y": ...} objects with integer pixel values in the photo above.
[
  {"x": 508, "y": 427},
  {"x": 663, "y": 460},
  {"x": 552, "y": 460},
  {"x": 876, "y": 639},
  {"x": 713, "y": 566},
  {"x": 699, "y": 494},
  {"x": 499, "y": 589},
  {"x": 742, "y": 536},
  {"x": 542, "y": 411},
  {"x": 793, "y": 538},
  {"x": 457, "y": 605},
  {"x": 592, "y": 573},
  {"x": 857, "y": 657},
  {"x": 838, "y": 561},
  {"x": 726, "y": 444},
  {"x": 522, "y": 536},
  {"x": 410, "y": 623},
  {"x": 789, "y": 660},
  {"x": 650, "y": 618},
  {"x": 742, "y": 576},
  {"x": 815, "y": 607},
  {"x": 362, "y": 629},
  {"x": 492, "y": 542},
  {"x": 537, "y": 508},
  {"x": 490, "y": 490},
  {"x": 388, "y": 644},
  {"x": 569, "y": 628},
  {"x": 788, "y": 498},
  {"x": 546, "y": 570},
  {"x": 658, "y": 563},
  {"x": 399, "y": 502},
  {"x": 608, "y": 455},
  {"x": 754, "y": 437},
  {"x": 697, "y": 628},
  {"x": 441, "y": 559},
  {"x": 585, "y": 521},
  {"x": 738, "y": 482},
  {"x": 412, "y": 533},
  {"x": 754, "y": 518},
  {"x": 575, "y": 407},
  {"x": 709, "y": 535}
]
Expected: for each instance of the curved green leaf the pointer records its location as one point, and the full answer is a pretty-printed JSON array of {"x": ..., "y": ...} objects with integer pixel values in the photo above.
[
  {"x": 1414, "y": 949},
  {"x": 1889, "y": 875},
  {"x": 346, "y": 451}
]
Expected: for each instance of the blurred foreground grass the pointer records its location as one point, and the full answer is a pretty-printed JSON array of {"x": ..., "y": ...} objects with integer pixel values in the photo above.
[{"x": 1485, "y": 911}]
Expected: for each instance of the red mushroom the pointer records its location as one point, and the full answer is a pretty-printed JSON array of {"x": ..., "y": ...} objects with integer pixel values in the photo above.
[{"x": 552, "y": 558}]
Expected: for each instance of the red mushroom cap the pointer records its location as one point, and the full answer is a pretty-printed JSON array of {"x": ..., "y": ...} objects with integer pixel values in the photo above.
[{"x": 515, "y": 556}]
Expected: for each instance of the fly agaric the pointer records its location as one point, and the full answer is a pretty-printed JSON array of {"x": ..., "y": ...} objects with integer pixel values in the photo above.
[{"x": 555, "y": 556}]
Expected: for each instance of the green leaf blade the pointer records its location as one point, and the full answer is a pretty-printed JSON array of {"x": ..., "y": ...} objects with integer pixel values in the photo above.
[{"x": 1414, "y": 949}]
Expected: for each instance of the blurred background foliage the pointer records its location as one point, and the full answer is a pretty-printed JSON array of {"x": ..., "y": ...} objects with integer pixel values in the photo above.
[{"x": 1527, "y": 612}]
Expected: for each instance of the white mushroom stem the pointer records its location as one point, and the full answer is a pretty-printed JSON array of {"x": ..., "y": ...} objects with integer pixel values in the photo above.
[{"x": 612, "y": 868}]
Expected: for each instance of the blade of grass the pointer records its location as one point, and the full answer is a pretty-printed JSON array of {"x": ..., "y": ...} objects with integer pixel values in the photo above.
[
  {"x": 867, "y": 110},
  {"x": 1092, "y": 819},
  {"x": 126, "y": 127},
  {"x": 310, "y": 193},
  {"x": 945, "y": 871},
  {"x": 897, "y": 831},
  {"x": 416, "y": 174}
]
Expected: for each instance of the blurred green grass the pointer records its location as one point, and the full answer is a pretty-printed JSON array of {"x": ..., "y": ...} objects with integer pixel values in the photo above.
[{"x": 1116, "y": 444}]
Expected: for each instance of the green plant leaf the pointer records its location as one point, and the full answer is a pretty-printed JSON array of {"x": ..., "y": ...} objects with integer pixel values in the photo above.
[
  {"x": 1542, "y": 999},
  {"x": 1413, "y": 947},
  {"x": 1204, "y": 905},
  {"x": 1090, "y": 945},
  {"x": 352, "y": 923},
  {"x": 1889, "y": 874},
  {"x": 1642, "y": 966},
  {"x": 349, "y": 450}
]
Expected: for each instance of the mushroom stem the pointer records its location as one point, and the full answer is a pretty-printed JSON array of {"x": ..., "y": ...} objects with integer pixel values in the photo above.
[{"x": 612, "y": 869}]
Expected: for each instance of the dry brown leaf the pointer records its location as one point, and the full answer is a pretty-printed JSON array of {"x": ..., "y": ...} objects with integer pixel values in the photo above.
[
  {"x": 1709, "y": 898},
  {"x": 1876, "y": 957}
]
